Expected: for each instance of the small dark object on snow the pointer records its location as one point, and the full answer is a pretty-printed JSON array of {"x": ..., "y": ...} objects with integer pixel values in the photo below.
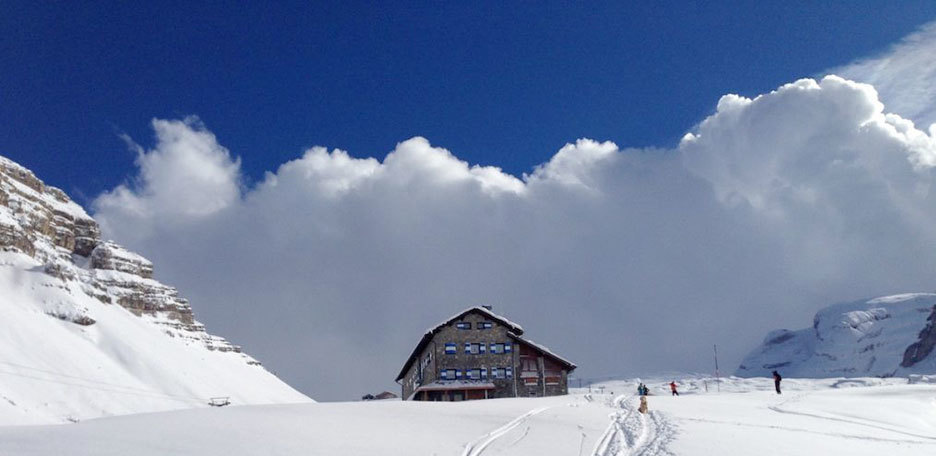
[
  {"x": 672, "y": 387},
  {"x": 776, "y": 381},
  {"x": 219, "y": 401}
]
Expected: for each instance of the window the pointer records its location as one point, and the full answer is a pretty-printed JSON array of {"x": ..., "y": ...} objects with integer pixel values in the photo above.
[
  {"x": 500, "y": 347},
  {"x": 449, "y": 374},
  {"x": 485, "y": 325},
  {"x": 501, "y": 372},
  {"x": 476, "y": 374},
  {"x": 463, "y": 325},
  {"x": 422, "y": 367},
  {"x": 450, "y": 349},
  {"x": 474, "y": 349},
  {"x": 528, "y": 368}
]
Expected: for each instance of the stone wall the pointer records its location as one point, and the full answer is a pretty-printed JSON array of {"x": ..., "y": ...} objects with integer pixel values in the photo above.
[
  {"x": 462, "y": 360},
  {"x": 433, "y": 359}
]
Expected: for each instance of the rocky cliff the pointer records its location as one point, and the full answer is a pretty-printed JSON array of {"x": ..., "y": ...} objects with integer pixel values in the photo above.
[
  {"x": 41, "y": 221},
  {"x": 920, "y": 350},
  {"x": 881, "y": 337},
  {"x": 67, "y": 294}
]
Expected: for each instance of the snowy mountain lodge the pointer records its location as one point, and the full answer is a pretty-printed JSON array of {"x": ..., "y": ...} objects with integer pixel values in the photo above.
[{"x": 478, "y": 354}]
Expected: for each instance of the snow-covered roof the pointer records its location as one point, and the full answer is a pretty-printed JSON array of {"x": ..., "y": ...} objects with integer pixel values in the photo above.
[
  {"x": 542, "y": 349},
  {"x": 484, "y": 310}
]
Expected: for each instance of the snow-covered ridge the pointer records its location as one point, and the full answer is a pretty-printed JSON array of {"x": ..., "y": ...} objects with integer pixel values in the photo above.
[
  {"x": 85, "y": 323},
  {"x": 882, "y": 337}
]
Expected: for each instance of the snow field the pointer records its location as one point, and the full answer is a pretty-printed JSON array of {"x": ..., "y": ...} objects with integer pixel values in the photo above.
[
  {"x": 863, "y": 416},
  {"x": 558, "y": 425},
  {"x": 823, "y": 417}
]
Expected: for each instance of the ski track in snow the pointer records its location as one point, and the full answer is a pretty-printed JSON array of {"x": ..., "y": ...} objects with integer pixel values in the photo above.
[
  {"x": 807, "y": 431},
  {"x": 632, "y": 433},
  {"x": 779, "y": 409},
  {"x": 477, "y": 447}
]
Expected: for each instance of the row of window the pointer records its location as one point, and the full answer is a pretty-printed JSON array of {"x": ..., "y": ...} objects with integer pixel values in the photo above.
[
  {"x": 480, "y": 325},
  {"x": 475, "y": 374},
  {"x": 495, "y": 348}
]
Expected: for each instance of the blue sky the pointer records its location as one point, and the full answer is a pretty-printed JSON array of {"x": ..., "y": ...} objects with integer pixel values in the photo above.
[{"x": 496, "y": 83}]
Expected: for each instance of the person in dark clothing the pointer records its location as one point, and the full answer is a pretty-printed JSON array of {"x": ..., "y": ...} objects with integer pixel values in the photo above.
[
  {"x": 642, "y": 390},
  {"x": 672, "y": 387},
  {"x": 776, "y": 381}
]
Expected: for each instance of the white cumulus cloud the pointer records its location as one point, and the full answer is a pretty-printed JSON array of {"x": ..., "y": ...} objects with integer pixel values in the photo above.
[
  {"x": 623, "y": 260},
  {"x": 905, "y": 75},
  {"x": 187, "y": 176}
]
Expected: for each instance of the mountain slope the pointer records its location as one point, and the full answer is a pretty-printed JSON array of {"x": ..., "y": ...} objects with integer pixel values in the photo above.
[
  {"x": 886, "y": 336},
  {"x": 85, "y": 331}
]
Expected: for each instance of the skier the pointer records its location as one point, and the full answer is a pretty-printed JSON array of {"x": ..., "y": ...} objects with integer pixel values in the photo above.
[
  {"x": 672, "y": 387},
  {"x": 776, "y": 381}
]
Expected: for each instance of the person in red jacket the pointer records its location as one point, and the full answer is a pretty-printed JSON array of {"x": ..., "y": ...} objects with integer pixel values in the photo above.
[{"x": 672, "y": 387}]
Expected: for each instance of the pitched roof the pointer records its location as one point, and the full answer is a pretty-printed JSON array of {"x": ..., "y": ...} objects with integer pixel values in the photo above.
[
  {"x": 543, "y": 351},
  {"x": 515, "y": 328}
]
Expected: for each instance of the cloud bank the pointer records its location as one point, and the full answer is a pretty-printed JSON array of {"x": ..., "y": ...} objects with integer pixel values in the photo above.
[{"x": 624, "y": 260}]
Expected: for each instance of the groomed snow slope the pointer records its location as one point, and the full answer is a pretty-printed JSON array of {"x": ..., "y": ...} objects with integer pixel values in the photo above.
[{"x": 855, "y": 417}]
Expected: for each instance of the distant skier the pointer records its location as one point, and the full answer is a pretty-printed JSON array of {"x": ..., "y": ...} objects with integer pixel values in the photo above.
[
  {"x": 672, "y": 387},
  {"x": 642, "y": 390},
  {"x": 776, "y": 381}
]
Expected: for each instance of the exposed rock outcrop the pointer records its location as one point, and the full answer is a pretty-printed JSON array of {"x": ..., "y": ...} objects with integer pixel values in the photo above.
[
  {"x": 42, "y": 222},
  {"x": 921, "y": 349}
]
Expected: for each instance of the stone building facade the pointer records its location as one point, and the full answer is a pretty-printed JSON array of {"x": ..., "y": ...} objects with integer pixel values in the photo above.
[{"x": 478, "y": 354}]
